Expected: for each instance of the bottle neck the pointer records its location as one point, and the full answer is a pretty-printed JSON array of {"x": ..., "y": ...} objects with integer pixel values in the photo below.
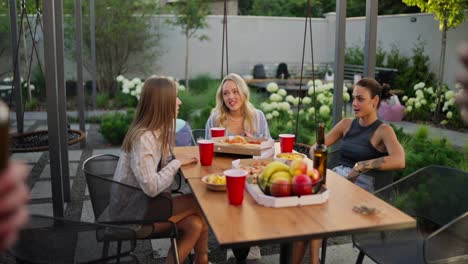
[{"x": 321, "y": 134}]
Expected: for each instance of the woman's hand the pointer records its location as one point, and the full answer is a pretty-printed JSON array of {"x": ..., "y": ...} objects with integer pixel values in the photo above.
[
  {"x": 14, "y": 196},
  {"x": 188, "y": 160}
]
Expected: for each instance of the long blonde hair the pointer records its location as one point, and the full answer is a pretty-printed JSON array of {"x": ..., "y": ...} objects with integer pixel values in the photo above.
[
  {"x": 156, "y": 110},
  {"x": 247, "y": 109}
]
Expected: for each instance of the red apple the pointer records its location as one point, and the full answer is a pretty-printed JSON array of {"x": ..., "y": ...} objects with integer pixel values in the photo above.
[
  {"x": 302, "y": 184},
  {"x": 314, "y": 175},
  {"x": 280, "y": 188},
  {"x": 297, "y": 167}
]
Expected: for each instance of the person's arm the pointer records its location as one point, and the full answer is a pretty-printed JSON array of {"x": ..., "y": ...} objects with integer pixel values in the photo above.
[
  {"x": 262, "y": 131},
  {"x": 144, "y": 168},
  {"x": 462, "y": 78},
  {"x": 335, "y": 134},
  {"x": 394, "y": 160},
  {"x": 14, "y": 196}
]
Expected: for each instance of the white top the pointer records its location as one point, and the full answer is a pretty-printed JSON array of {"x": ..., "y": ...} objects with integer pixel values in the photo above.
[{"x": 139, "y": 167}]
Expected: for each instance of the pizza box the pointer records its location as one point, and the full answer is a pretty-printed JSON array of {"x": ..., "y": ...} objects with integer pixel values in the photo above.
[
  {"x": 276, "y": 202},
  {"x": 264, "y": 149}
]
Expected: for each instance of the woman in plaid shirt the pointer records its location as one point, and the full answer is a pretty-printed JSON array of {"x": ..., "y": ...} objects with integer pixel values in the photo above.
[{"x": 146, "y": 162}]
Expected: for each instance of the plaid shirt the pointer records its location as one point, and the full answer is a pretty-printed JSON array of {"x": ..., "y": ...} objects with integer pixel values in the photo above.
[{"x": 139, "y": 167}]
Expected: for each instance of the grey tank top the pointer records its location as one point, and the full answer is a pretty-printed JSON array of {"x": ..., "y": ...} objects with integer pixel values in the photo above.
[{"x": 356, "y": 145}]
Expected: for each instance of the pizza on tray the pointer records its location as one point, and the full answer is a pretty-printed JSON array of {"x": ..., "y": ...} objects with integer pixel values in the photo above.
[
  {"x": 254, "y": 169},
  {"x": 240, "y": 140}
]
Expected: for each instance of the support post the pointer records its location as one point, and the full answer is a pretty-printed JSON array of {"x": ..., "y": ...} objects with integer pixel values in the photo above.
[
  {"x": 93, "y": 51},
  {"x": 371, "y": 38},
  {"x": 79, "y": 69},
  {"x": 340, "y": 36}
]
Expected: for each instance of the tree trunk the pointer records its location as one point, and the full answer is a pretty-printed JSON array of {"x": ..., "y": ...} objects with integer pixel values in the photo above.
[
  {"x": 441, "y": 68},
  {"x": 186, "y": 61}
]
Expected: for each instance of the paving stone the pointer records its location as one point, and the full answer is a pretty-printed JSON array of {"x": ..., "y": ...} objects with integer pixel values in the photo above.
[
  {"x": 87, "y": 214},
  {"x": 72, "y": 169},
  {"x": 74, "y": 155},
  {"x": 29, "y": 157},
  {"x": 43, "y": 209},
  {"x": 43, "y": 189},
  {"x": 77, "y": 126},
  {"x": 160, "y": 247},
  {"x": 114, "y": 151}
]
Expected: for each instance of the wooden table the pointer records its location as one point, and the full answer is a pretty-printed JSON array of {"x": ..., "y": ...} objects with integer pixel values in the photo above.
[{"x": 252, "y": 224}]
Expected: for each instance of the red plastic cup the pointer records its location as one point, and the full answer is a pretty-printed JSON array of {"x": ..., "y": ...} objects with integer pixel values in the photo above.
[
  {"x": 287, "y": 142},
  {"x": 235, "y": 184},
  {"x": 217, "y": 131},
  {"x": 206, "y": 148}
]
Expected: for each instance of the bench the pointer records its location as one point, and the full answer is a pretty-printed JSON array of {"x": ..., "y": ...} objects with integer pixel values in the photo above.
[{"x": 382, "y": 75}]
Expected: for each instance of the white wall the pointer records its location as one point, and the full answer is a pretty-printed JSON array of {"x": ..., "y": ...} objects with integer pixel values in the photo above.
[{"x": 271, "y": 40}]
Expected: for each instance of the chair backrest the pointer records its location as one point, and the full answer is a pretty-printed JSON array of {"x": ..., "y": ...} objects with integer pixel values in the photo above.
[
  {"x": 56, "y": 240},
  {"x": 449, "y": 242},
  {"x": 434, "y": 195},
  {"x": 197, "y": 134},
  {"x": 97, "y": 169},
  {"x": 116, "y": 202},
  {"x": 259, "y": 71}
]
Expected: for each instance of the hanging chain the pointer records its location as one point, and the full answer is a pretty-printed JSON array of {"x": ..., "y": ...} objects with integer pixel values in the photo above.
[
  {"x": 308, "y": 19},
  {"x": 224, "y": 43}
]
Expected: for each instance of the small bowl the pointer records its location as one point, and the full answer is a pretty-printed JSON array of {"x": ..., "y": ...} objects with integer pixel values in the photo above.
[
  {"x": 213, "y": 186},
  {"x": 288, "y": 157}
]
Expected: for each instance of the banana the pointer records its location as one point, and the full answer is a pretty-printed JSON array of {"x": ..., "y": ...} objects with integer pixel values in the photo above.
[
  {"x": 280, "y": 175},
  {"x": 273, "y": 167}
]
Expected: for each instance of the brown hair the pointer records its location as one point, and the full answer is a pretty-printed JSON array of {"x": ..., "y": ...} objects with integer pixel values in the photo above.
[
  {"x": 156, "y": 110},
  {"x": 248, "y": 110},
  {"x": 374, "y": 87}
]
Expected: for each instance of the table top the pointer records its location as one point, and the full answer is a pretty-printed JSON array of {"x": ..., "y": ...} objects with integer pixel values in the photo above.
[{"x": 252, "y": 224}]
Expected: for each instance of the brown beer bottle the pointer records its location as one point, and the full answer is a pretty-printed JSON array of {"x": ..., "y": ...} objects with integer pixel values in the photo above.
[
  {"x": 4, "y": 137},
  {"x": 320, "y": 153}
]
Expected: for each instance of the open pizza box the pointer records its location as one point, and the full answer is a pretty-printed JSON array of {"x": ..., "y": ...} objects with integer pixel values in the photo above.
[{"x": 262, "y": 147}]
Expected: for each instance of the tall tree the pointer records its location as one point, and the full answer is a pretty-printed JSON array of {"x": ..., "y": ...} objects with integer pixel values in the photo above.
[
  {"x": 190, "y": 17},
  {"x": 450, "y": 14}
]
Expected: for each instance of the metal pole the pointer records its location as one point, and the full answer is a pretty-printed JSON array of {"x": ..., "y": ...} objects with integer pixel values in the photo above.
[
  {"x": 79, "y": 69},
  {"x": 52, "y": 107},
  {"x": 340, "y": 36},
  {"x": 15, "y": 63},
  {"x": 93, "y": 50},
  {"x": 371, "y": 38},
  {"x": 62, "y": 99}
]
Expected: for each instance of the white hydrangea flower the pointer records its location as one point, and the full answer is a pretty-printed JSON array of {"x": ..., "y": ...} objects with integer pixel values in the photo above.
[
  {"x": 423, "y": 101},
  {"x": 274, "y": 97},
  {"x": 449, "y": 114},
  {"x": 138, "y": 88},
  {"x": 417, "y": 105},
  {"x": 296, "y": 101},
  {"x": 346, "y": 97},
  {"x": 419, "y": 86},
  {"x": 274, "y": 105},
  {"x": 451, "y": 102},
  {"x": 269, "y": 116},
  {"x": 127, "y": 84},
  {"x": 272, "y": 87},
  {"x": 433, "y": 106},
  {"x": 290, "y": 98},
  {"x": 138, "y": 97},
  {"x": 285, "y": 106},
  {"x": 310, "y": 83},
  {"x": 290, "y": 112},
  {"x": 136, "y": 81},
  {"x": 125, "y": 90},
  {"x": 289, "y": 124},
  {"x": 32, "y": 87},
  {"x": 458, "y": 86},
  {"x": 181, "y": 87},
  {"x": 409, "y": 108},
  {"x": 405, "y": 98},
  {"x": 133, "y": 93},
  {"x": 317, "y": 83},
  {"x": 282, "y": 92},
  {"x": 311, "y": 110},
  {"x": 8, "y": 79},
  {"x": 411, "y": 101},
  {"x": 444, "y": 122},
  {"x": 275, "y": 113},
  {"x": 449, "y": 95},
  {"x": 324, "y": 110},
  {"x": 120, "y": 78},
  {"x": 301, "y": 111},
  {"x": 419, "y": 94},
  {"x": 430, "y": 90},
  {"x": 306, "y": 100}
]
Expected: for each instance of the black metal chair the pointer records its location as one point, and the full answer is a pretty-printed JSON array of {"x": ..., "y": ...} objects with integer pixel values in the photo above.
[
  {"x": 197, "y": 134},
  {"x": 56, "y": 240},
  {"x": 122, "y": 204},
  {"x": 437, "y": 197}
]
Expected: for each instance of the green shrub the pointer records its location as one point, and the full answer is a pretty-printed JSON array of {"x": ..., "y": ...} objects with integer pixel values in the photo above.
[
  {"x": 31, "y": 105},
  {"x": 102, "y": 98},
  {"x": 114, "y": 126},
  {"x": 202, "y": 83},
  {"x": 354, "y": 55}
]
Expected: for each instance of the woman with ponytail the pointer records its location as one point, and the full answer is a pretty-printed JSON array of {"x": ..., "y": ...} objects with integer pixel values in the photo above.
[{"x": 366, "y": 144}]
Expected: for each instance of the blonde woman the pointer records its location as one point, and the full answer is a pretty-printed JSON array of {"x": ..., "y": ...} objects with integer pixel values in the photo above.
[
  {"x": 146, "y": 162},
  {"x": 234, "y": 111}
]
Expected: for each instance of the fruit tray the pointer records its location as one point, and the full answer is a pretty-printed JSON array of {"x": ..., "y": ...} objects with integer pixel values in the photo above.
[{"x": 270, "y": 201}]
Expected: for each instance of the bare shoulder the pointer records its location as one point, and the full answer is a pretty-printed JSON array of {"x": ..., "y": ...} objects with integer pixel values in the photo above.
[
  {"x": 345, "y": 124},
  {"x": 385, "y": 130}
]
